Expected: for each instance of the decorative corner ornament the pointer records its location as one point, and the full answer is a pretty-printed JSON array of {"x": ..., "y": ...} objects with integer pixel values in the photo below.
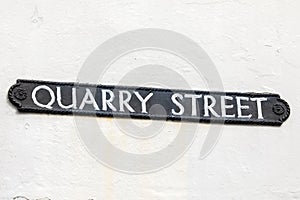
[{"x": 137, "y": 102}]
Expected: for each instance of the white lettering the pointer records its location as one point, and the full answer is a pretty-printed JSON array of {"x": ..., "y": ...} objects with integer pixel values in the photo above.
[
  {"x": 72, "y": 105},
  {"x": 125, "y": 102},
  {"x": 88, "y": 99},
  {"x": 179, "y": 105},
  {"x": 208, "y": 108},
  {"x": 241, "y": 107},
  {"x": 107, "y": 102},
  {"x": 194, "y": 97},
  {"x": 225, "y": 106},
  {"x": 143, "y": 101},
  {"x": 259, "y": 109},
  {"x": 52, "y": 95}
]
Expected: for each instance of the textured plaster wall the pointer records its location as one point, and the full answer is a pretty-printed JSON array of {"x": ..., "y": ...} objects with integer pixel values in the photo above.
[{"x": 255, "y": 46}]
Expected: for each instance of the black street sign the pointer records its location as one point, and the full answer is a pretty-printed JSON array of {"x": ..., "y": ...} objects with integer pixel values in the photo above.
[{"x": 148, "y": 103}]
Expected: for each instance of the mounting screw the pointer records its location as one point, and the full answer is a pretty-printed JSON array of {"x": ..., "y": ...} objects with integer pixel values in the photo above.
[
  {"x": 278, "y": 109},
  {"x": 20, "y": 94}
]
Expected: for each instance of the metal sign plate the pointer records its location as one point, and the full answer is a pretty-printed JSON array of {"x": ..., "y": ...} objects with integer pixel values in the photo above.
[{"x": 149, "y": 103}]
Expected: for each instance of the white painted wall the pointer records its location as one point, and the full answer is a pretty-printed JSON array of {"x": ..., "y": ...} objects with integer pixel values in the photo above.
[{"x": 255, "y": 46}]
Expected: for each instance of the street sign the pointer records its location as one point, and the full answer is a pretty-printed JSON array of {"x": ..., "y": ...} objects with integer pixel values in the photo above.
[{"x": 148, "y": 103}]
